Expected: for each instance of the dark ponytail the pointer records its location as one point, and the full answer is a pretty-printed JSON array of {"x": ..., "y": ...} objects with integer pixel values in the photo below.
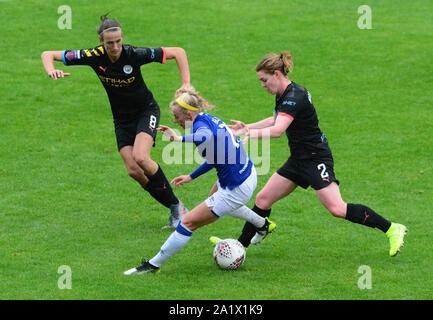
[{"x": 107, "y": 23}]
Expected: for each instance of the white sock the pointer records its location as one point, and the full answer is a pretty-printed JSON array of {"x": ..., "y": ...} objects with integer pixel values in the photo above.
[
  {"x": 249, "y": 215},
  {"x": 175, "y": 242}
]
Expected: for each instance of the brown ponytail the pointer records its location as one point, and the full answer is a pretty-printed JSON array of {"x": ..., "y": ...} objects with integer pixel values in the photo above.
[
  {"x": 107, "y": 23},
  {"x": 272, "y": 62}
]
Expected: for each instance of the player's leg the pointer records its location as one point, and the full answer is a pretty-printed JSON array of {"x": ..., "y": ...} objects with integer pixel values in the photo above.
[
  {"x": 141, "y": 153},
  {"x": 323, "y": 181},
  {"x": 196, "y": 218},
  {"x": 331, "y": 198},
  {"x": 158, "y": 185},
  {"x": 233, "y": 203},
  {"x": 275, "y": 189},
  {"x": 134, "y": 170},
  {"x": 132, "y": 150}
]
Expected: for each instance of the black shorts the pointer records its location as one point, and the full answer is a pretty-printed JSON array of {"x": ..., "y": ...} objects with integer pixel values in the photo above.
[
  {"x": 146, "y": 121},
  {"x": 317, "y": 173}
]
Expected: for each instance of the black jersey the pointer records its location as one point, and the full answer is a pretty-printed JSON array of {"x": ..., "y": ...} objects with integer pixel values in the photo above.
[
  {"x": 306, "y": 140},
  {"x": 122, "y": 79}
]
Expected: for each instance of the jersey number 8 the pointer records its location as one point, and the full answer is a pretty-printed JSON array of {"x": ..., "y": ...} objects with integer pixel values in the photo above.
[{"x": 152, "y": 122}]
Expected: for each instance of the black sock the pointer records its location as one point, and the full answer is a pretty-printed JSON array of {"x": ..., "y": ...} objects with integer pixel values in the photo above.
[
  {"x": 160, "y": 189},
  {"x": 249, "y": 229},
  {"x": 361, "y": 214}
]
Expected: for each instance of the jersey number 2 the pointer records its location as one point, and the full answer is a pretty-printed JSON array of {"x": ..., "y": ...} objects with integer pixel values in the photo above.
[{"x": 323, "y": 174}]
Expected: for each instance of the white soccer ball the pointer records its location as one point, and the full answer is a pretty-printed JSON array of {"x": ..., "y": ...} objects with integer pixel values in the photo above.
[{"x": 229, "y": 254}]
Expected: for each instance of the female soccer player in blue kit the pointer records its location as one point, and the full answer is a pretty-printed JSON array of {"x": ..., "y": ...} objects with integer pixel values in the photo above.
[
  {"x": 236, "y": 183},
  {"x": 136, "y": 114},
  {"x": 310, "y": 162}
]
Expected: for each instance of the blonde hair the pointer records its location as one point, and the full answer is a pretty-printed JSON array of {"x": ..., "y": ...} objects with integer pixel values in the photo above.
[
  {"x": 190, "y": 96},
  {"x": 272, "y": 62}
]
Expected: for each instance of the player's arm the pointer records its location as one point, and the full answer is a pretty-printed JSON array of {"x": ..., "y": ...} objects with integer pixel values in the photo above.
[
  {"x": 48, "y": 58},
  {"x": 181, "y": 180},
  {"x": 179, "y": 55},
  {"x": 265, "y": 123},
  {"x": 240, "y": 128},
  {"x": 282, "y": 122},
  {"x": 169, "y": 133}
]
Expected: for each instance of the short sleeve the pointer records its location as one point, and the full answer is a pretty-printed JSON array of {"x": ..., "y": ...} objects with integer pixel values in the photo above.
[
  {"x": 143, "y": 55},
  {"x": 82, "y": 56},
  {"x": 290, "y": 106}
]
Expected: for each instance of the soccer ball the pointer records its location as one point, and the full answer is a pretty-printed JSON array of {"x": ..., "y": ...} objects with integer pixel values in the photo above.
[{"x": 229, "y": 254}]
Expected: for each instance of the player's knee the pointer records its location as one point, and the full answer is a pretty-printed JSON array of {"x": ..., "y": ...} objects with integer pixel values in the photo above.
[
  {"x": 337, "y": 210},
  {"x": 135, "y": 173},
  {"x": 189, "y": 223},
  {"x": 144, "y": 162},
  {"x": 263, "y": 201}
]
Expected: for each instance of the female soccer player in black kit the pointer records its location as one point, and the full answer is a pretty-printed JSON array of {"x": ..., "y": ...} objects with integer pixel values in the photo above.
[
  {"x": 136, "y": 114},
  {"x": 310, "y": 162}
]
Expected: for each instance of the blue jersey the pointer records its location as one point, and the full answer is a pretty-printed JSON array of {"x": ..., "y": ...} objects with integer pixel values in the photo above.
[{"x": 221, "y": 149}]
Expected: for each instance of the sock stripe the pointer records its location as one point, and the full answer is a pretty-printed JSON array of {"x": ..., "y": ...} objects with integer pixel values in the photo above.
[{"x": 183, "y": 230}]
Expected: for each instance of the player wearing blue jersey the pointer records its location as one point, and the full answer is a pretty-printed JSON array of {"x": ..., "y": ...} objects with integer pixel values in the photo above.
[
  {"x": 135, "y": 111},
  {"x": 222, "y": 151}
]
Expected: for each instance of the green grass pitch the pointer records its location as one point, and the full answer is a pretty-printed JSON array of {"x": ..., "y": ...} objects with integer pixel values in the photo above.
[{"x": 66, "y": 199}]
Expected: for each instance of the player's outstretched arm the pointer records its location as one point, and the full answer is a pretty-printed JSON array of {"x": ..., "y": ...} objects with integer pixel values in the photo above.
[
  {"x": 179, "y": 55},
  {"x": 265, "y": 123},
  {"x": 275, "y": 131},
  {"x": 169, "y": 133},
  {"x": 48, "y": 58},
  {"x": 179, "y": 181}
]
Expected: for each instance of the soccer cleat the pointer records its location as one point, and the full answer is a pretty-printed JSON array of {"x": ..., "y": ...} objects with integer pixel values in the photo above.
[
  {"x": 215, "y": 240},
  {"x": 178, "y": 211},
  {"x": 396, "y": 235},
  {"x": 145, "y": 267},
  {"x": 269, "y": 227}
]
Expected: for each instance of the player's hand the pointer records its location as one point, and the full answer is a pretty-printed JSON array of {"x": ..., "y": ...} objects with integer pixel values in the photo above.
[
  {"x": 179, "y": 91},
  {"x": 55, "y": 74},
  {"x": 181, "y": 180},
  {"x": 169, "y": 133},
  {"x": 239, "y": 128},
  {"x": 246, "y": 138}
]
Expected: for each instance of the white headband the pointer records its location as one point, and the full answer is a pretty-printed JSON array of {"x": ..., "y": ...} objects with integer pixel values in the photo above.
[{"x": 109, "y": 29}]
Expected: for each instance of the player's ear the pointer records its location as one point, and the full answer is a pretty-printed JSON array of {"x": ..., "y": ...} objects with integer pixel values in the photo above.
[{"x": 277, "y": 73}]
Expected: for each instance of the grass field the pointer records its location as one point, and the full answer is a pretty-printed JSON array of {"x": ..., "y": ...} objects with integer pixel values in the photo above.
[{"x": 66, "y": 199}]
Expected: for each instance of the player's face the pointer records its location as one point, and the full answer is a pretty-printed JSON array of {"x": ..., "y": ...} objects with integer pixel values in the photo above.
[
  {"x": 269, "y": 82},
  {"x": 181, "y": 118},
  {"x": 112, "y": 43}
]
